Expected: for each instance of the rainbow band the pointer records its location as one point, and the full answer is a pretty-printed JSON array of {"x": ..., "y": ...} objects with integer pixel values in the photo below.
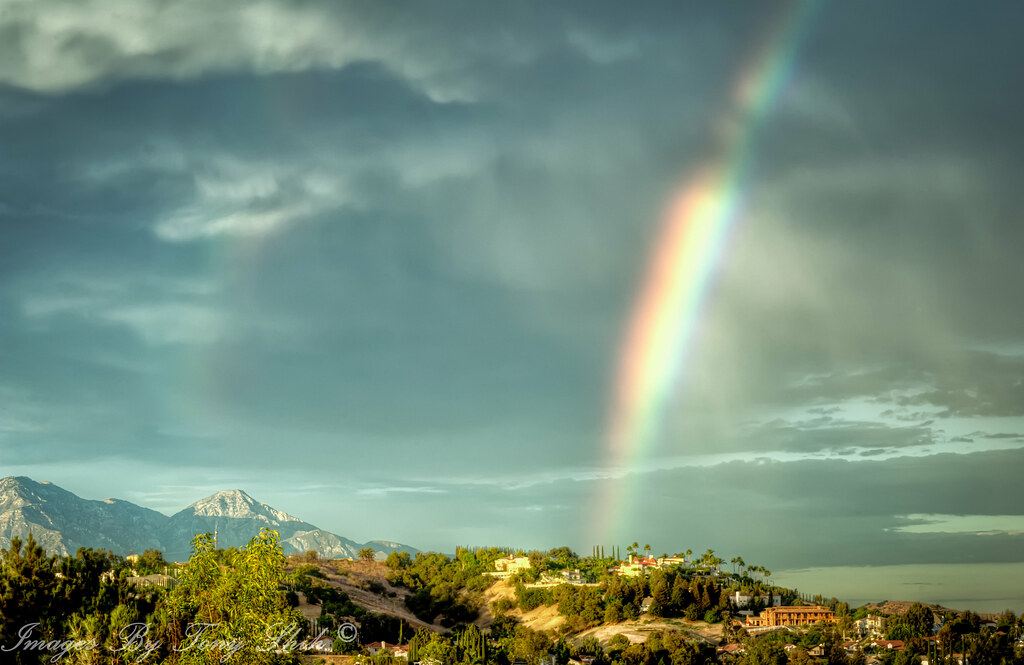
[{"x": 688, "y": 249}]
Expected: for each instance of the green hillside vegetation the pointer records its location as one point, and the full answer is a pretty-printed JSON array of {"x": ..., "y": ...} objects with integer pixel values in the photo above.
[{"x": 82, "y": 609}]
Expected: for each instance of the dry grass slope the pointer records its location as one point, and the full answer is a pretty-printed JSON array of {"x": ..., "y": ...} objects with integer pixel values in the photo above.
[{"x": 355, "y": 578}]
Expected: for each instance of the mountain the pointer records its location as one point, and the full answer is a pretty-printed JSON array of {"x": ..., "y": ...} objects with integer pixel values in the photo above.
[
  {"x": 237, "y": 517},
  {"x": 62, "y": 522}
]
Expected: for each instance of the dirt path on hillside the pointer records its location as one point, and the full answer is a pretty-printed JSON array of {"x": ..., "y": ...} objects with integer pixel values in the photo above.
[{"x": 354, "y": 578}]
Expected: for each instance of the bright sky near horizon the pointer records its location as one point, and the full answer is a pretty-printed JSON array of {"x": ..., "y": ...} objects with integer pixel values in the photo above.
[{"x": 376, "y": 264}]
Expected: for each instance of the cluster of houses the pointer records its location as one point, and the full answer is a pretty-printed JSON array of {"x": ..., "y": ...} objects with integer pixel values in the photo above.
[
  {"x": 636, "y": 566},
  {"x": 850, "y": 648}
]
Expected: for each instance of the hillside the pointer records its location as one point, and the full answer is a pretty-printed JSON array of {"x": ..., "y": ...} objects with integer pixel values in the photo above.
[
  {"x": 356, "y": 578},
  {"x": 638, "y": 631},
  {"x": 545, "y": 617}
]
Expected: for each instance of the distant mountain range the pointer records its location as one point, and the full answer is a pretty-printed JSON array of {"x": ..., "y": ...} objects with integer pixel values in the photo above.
[{"x": 62, "y": 522}]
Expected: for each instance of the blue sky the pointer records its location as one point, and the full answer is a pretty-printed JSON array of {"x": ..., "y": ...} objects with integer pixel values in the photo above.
[{"x": 373, "y": 263}]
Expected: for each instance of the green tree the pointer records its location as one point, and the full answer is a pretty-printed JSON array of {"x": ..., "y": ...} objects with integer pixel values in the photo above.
[
  {"x": 398, "y": 560},
  {"x": 613, "y": 612},
  {"x": 919, "y": 620},
  {"x": 661, "y": 600},
  {"x": 152, "y": 561},
  {"x": 472, "y": 645},
  {"x": 764, "y": 652},
  {"x": 227, "y": 614},
  {"x": 26, "y": 585},
  {"x": 366, "y": 554}
]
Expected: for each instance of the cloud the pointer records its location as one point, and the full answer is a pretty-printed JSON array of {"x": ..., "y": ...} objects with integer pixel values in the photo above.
[
  {"x": 402, "y": 489},
  {"x": 173, "y": 311},
  {"x": 976, "y": 524},
  {"x": 60, "y": 45},
  {"x": 236, "y": 199},
  {"x": 170, "y": 323},
  {"x": 377, "y": 233}
]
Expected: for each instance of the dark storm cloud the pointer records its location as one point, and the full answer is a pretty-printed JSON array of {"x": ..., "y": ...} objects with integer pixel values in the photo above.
[{"x": 406, "y": 240}]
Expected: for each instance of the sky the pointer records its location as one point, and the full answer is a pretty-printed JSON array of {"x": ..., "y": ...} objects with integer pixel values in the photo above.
[{"x": 376, "y": 264}]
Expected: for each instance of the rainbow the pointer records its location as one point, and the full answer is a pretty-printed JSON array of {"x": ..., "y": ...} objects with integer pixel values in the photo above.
[{"x": 687, "y": 250}]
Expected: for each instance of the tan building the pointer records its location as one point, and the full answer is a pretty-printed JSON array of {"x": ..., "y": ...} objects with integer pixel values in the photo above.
[
  {"x": 510, "y": 565},
  {"x": 792, "y": 616}
]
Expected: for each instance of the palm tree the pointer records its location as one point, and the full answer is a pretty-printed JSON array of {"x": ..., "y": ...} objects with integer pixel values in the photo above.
[{"x": 647, "y": 550}]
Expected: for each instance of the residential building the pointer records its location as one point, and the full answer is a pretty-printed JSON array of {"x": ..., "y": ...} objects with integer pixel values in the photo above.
[
  {"x": 744, "y": 599},
  {"x": 323, "y": 645},
  {"x": 510, "y": 565},
  {"x": 871, "y": 626},
  {"x": 792, "y": 616}
]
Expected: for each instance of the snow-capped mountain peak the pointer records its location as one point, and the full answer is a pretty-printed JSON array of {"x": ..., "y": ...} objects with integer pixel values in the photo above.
[{"x": 61, "y": 522}]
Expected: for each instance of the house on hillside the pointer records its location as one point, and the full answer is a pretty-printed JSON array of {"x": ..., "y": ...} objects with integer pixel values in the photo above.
[
  {"x": 572, "y": 576},
  {"x": 377, "y": 647},
  {"x": 744, "y": 599},
  {"x": 323, "y": 645},
  {"x": 510, "y": 565},
  {"x": 870, "y": 626},
  {"x": 789, "y": 615}
]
